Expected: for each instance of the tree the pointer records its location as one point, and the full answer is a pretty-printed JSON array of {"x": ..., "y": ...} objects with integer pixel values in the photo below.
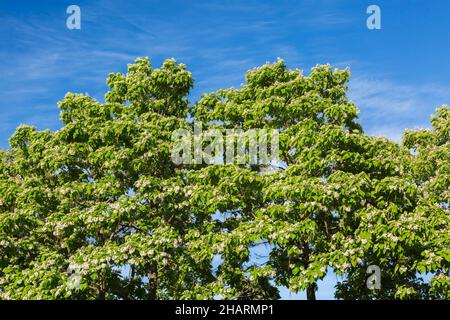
[
  {"x": 431, "y": 172},
  {"x": 337, "y": 199},
  {"x": 325, "y": 176},
  {"x": 101, "y": 198},
  {"x": 405, "y": 232},
  {"x": 99, "y": 209}
]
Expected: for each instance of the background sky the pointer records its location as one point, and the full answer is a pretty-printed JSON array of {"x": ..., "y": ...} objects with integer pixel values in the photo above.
[{"x": 400, "y": 73}]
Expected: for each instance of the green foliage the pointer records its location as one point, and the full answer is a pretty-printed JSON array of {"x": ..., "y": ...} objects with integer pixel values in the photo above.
[{"x": 102, "y": 197}]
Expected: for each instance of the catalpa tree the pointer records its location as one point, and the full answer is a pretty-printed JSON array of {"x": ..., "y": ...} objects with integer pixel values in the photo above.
[
  {"x": 312, "y": 201},
  {"x": 99, "y": 209},
  {"x": 405, "y": 228},
  {"x": 100, "y": 199}
]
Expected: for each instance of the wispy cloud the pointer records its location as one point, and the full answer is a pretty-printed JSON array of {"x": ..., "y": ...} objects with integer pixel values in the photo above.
[{"x": 388, "y": 107}]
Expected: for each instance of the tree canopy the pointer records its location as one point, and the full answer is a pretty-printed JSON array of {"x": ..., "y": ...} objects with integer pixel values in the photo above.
[{"x": 102, "y": 200}]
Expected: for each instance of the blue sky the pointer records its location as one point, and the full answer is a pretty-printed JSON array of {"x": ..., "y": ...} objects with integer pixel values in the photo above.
[{"x": 400, "y": 73}]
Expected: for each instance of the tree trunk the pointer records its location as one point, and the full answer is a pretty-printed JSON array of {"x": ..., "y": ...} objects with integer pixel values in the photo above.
[
  {"x": 101, "y": 295},
  {"x": 311, "y": 292},
  {"x": 152, "y": 282}
]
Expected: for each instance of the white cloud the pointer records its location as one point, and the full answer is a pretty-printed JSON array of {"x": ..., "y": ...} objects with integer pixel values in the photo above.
[{"x": 388, "y": 107}]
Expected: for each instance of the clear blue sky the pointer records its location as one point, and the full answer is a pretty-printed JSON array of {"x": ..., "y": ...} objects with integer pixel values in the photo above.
[{"x": 401, "y": 73}]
